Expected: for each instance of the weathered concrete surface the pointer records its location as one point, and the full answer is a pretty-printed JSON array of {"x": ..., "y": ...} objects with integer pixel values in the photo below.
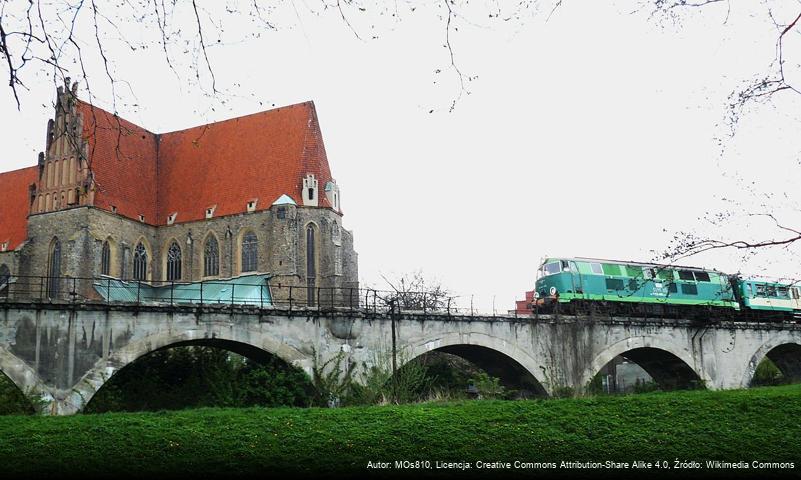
[{"x": 66, "y": 354}]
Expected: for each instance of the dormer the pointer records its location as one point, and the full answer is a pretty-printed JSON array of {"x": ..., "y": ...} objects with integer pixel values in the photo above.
[
  {"x": 171, "y": 218},
  {"x": 3, "y": 246},
  {"x": 310, "y": 191},
  {"x": 332, "y": 193},
  {"x": 210, "y": 211},
  {"x": 251, "y": 205}
]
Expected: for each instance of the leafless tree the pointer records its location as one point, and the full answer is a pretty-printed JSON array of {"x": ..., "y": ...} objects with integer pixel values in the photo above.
[
  {"x": 416, "y": 292},
  {"x": 69, "y": 38},
  {"x": 763, "y": 220},
  {"x": 62, "y": 38},
  {"x": 782, "y": 17}
]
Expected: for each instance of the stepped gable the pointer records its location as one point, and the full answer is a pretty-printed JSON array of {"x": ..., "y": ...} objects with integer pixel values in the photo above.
[
  {"x": 15, "y": 203},
  {"x": 122, "y": 158},
  {"x": 228, "y": 163}
]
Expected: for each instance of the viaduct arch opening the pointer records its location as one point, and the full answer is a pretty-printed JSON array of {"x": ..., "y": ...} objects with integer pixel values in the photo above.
[
  {"x": 203, "y": 373},
  {"x": 780, "y": 365},
  {"x": 456, "y": 370},
  {"x": 644, "y": 369}
]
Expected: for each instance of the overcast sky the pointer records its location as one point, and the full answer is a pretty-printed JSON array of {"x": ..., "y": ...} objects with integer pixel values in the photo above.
[{"x": 596, "y": 133}]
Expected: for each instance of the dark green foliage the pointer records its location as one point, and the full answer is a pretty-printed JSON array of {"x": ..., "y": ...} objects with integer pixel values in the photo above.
[
  {"x": 449, "y": 373},
  {"x": 767, "y": 373},
  {"x": 184, "y": 377},
  {"x": 12, "y": 400},
  {"x": 563, "y": 392},
  {"x": 641, "y": 386},
  {"x": 487, "y": 387},
  {"x": 596, "y": 385},
  {"x": 413, "y": 382},
  {"x": 333, "y": 383},
  {"x": 757, "y": 424},
  {"x": 435, "y": 375}
]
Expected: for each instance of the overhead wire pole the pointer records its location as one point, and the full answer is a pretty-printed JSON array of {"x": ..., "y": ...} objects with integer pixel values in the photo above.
[{"x": 392, "y": 306}]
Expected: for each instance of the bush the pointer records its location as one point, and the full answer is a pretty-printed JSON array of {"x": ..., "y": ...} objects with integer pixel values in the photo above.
[
  {"x": 12, "y": 400},
  {"x": 489, "y": 388},
  {"x": 767, "y": 373},
  {"x": 641, "y": 386}
]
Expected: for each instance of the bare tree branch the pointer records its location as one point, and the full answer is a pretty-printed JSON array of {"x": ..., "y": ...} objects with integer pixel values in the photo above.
[{"x": 203, "y": 47}]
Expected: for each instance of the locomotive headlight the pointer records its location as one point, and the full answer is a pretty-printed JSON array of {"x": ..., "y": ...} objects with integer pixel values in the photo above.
[{"x": 552, "y": 291}]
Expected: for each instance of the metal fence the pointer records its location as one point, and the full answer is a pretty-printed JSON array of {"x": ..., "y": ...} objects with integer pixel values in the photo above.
[{"x": 253, "y": 291}]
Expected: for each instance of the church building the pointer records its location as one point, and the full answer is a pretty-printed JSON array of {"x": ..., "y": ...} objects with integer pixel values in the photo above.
[{"x": 110, "y": 199}]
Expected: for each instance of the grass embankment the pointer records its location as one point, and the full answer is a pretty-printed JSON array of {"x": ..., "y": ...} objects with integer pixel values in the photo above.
[{"x": 760, "y": 424}]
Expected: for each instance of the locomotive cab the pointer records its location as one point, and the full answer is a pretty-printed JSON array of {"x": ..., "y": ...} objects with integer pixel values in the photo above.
[{"x": 556, "y": 278}]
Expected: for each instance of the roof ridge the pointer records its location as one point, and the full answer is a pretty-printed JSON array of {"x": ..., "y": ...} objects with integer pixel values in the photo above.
[
  {"x": 95, "y": 107},
  {"x": 18, "y": 169},
  {"x": 293, "y": 105},
  {"x": 262, "y": 112}
]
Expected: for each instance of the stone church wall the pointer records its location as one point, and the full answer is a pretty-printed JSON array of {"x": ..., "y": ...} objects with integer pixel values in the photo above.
[{"x": 282, "y": 247}]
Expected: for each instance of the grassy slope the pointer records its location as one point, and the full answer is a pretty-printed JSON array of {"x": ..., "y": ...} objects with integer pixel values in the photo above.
[{"x": 760, "y": 424}]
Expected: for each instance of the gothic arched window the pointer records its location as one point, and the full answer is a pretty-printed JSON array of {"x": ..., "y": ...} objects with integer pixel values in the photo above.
[
  {"x": 250, "y": 252},
  {"x": 105, "y": 259},
  {"x": 5, "y": 276},
  {"x": 311, "y": 264},
  {"x": 54, "y": 270},
  {"x": 174, "y": 262},
  {"x": 211, "y": 257},
  {"x": 140, "y": 262}
]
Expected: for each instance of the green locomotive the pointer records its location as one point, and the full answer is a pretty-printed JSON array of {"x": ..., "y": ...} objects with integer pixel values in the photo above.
[{"x": 651, "y": 288}]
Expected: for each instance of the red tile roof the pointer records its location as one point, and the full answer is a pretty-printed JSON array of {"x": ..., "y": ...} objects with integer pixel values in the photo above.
[
  {"x": 224, "y": 164},
  {"x": 15, "y": 205},
  {"x": 123, "y": 160},
  {"x": 227, "y": 164}
]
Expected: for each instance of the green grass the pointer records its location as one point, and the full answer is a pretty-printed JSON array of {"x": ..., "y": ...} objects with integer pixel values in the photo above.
[{"x": 759, "y": 424}]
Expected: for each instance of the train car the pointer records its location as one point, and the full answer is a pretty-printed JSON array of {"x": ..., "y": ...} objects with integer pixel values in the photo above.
[
  {"x": 577, "y": 280},
  {"x": 761, "y": 295}
]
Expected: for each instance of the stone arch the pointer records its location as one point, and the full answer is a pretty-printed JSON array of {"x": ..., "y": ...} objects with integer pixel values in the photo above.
[
  {"x": 783, "y": 350},
  {"x": 495, "y": 351},
  {"x": 150, "y": 258},
  {"x": 23, "y": 376},
  {"x": 649, "y": 350},
  {"x": 83, "y": 392}
]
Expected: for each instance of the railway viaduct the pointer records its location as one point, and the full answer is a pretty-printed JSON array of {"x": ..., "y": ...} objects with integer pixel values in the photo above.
[{"x": 66, "y": 352}]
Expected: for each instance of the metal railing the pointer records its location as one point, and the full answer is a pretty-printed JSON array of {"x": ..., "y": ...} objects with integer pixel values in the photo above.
[{"x": 254, "y": 292}]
